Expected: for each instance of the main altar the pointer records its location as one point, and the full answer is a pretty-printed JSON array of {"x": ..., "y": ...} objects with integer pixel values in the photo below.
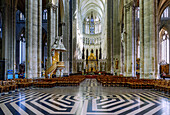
[{"x": 92, "y": 64}]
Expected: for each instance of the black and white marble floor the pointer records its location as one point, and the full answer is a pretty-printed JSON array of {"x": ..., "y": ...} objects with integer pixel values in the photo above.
[{"x": 90, "y": 98}]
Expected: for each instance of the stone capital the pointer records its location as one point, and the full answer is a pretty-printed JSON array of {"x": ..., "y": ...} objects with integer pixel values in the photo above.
[
  {"x": 129, "y": 5},
  {"x": 51, "y": 5}
]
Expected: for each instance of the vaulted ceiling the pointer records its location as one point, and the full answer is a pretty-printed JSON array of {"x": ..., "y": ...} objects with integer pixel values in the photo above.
[
  {"x": 162, "y": 4},
  {"x": 97, "y": 6},
  {"x": 88, "y": 6}
]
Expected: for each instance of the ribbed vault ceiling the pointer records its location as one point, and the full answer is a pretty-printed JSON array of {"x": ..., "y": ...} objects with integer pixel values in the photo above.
[{"x": 88, "y": 6}]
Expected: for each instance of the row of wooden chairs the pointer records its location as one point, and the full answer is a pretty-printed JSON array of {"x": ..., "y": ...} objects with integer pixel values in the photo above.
[
  {"x": 60, "y": 81},
  {"x": 162, "y": 85},
  {"x": 158, "y": 84},
  {"x": 42, "y": 83},
  {"x": 8, "y": 85},
  {"x": 24, "y": 83},
  {"x": 68, "y": 81},
  {"x": 114, "y": 80}
]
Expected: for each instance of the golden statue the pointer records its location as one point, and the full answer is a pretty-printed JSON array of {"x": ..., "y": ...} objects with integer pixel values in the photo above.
[{"x": 92, "y": 63}]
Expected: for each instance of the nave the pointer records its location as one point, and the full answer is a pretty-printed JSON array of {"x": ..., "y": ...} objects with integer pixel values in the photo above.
[{"x": 89, "y": 98}]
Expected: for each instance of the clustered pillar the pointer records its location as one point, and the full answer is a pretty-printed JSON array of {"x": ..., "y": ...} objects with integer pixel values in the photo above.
[
  {"x": 14, "y": 9},
  {"x": 66, "y": 34},
  {"x": 129, "y": 41},
  {"x": 33, "y": 37},
  {"x": 134, "y": 39},
  {"x": 147, "y": 65},
  {"x": 141, "y": 5},
  {"x": 147, "y": 39},
  {"x": 129, "y": 37},
  {"x": 8, "y": 36},
  {"x": 116, "y": 39},
  {"x": 125, "y": 38},
  {"x": 109, "y": 35},
  {"x": 52, "y": 31},
  {"x": 39, "y": 37}
]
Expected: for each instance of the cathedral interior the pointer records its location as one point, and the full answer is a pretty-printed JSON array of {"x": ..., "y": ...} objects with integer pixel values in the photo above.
[{"x": 85, "y": 57}]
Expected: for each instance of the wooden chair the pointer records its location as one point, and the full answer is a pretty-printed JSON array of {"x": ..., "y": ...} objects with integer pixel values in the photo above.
[
  {"x": 30, "y": 82},
  {"x": 161, "y": 85},
  {"x": 12, "y": 84},
  {"x": 109, "y": 82},
  {"x": 2, "y": 88},
  {"x": 6, "y": 86},
  {"x": 133, "y": 83},
  {"x": 151, "y": 83},
  {"x": 118, "y": 83},
  {"x": 114, "y": 82},
  {"x": 104, "y": 82},
  {"x": 167, "y": 89},
  {"x": 19, "y": 83},
  {"x": 157, "y": 83},
  {"x": 123, "y": 82}
]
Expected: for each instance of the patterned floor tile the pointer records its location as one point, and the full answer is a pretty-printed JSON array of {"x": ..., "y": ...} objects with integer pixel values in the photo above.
[{"x": 89, "y": 100}]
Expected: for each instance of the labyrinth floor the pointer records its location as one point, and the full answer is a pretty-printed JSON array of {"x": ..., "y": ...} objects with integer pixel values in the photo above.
[{"x": 90, "y": 98}]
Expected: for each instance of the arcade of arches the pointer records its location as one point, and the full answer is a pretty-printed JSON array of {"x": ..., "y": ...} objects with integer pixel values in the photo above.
[{"x": 59, "y": 38}]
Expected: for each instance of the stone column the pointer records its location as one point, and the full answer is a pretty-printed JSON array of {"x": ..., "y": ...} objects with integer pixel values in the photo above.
[
  {"x": 53, "y": 24},
  {"x": 157, "y": 40},
  {"x": 39, "y": 38},
  {"x": 73, "y": 34},
  {"x": 56, "y": 17},
  {"x": 147, "y": 64},
  {"x": 141, "y": 5},
  {"x": 14, "y": 38},
  {"x": 66, "y": 33},
  {"x": 129, "y": 39},
  {"x": 26, "y": 38},
  {"x": 109, "y": 36},
  {"x": 152, "y": 39},
  {"x": 5, "y": 50},
  {"x": 33, "y": 13},
  {"x": 113, "y": 36},
  {"x": 28, "y": 35},
  {"x": 116, "y": 38},
  {"x": 125, "y": 38},
  {"x": 49, "y": 34},
  {"x": 134, "y": 39},
  {"x": 34, "y": 37},
  {"x": 148, "y": 39},
  {"x": 10, "y": 37}
]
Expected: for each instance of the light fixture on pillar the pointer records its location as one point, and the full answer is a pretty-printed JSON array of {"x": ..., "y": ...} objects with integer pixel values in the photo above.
[
  {"x": 22, "y": 39},
  {"x": 62, "y": 24},
  {"x": 83, "y": 52},
  {"x": 100, "y": 55}
]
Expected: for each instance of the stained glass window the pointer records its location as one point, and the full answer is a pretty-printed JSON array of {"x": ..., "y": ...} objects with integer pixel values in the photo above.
[{"x": 92, "y": 25}]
